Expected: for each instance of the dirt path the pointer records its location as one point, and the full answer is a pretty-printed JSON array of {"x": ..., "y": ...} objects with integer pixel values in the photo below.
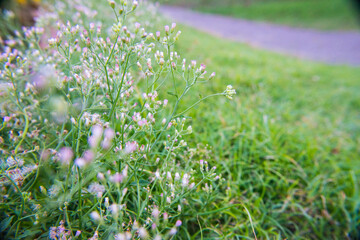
[{"x": 333, "y": 47}]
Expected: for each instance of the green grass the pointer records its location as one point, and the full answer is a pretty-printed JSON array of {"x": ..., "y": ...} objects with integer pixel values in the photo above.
[
  {"x": 287, "y": 144},
  {"x": 321, "y": 14}
]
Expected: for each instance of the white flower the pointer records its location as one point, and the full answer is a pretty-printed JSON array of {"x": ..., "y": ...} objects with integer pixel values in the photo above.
[
  {"x": 185, "y": 180},
  {"x": 156, "y": 213},
  {"x": 143, "y": 233},
  {"x": 131, "y": 147},
  {"x": 229, "y": 92},
  {"x": 65, "y": 155},
  {"x": 96, "y": 189},
  {"x": 173, "y": 231},
  {"x": 95, "y": 216}
]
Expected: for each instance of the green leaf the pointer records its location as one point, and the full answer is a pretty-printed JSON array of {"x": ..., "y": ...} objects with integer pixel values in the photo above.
[
  {"x": 141, "y": 183},
  {"x": 5, "y": 223},
  {"x": 29, "y": 233},
  {"x": 172, "y": 94}
]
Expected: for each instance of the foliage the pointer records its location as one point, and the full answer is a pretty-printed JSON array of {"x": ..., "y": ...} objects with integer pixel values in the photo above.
[
  {"x": 89, "y": 146},
  {"x": 287, "y": 145}
]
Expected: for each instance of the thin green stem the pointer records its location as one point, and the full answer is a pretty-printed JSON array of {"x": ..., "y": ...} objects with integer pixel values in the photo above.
[
  {"x": 24, "y": 132},
  {"x": 199, "y": 101},
  {"x": 120, "y": 87},
  {"x": 79, "y": 198}
]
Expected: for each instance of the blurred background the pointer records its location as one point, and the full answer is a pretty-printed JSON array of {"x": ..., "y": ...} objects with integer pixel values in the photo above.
[
  {"x": 322, "y": 14},
  {"x": 24, "y": 10},
  {"x": 319, "y": 14}
]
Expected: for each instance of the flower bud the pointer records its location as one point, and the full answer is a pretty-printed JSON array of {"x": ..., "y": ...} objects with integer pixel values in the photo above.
[
  {"x": 112, "y": 4},
  {"x": 178, "y": 223},
  {"x": 173, "y": 26},
  {"x": 135, "y": 5},
  {"x": 167, "y": 29},
  {"x": 158, "y": 35}
]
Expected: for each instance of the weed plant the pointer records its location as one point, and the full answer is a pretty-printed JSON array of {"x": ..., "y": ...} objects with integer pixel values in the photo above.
[{"x": 90, "y": 148}]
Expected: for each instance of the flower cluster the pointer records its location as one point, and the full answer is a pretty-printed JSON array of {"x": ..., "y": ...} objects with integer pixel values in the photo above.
[{"x": 89, "y": 134}]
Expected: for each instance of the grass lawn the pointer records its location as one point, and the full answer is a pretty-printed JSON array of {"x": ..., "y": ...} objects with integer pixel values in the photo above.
[
  {"x": 321, "y": 14},
  {"x": 288, "y": 144}
]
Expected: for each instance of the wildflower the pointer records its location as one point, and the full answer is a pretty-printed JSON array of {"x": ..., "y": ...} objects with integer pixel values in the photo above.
[
  {"x": 168, "y": 175},
  {"x": 165, "y": 216},
  {"x": 142, "y": 122},
  {"x": 95, "y": 236},
  {"x": 178, "y": 223},
  {"x": 116, "y": 178},
  {"x": 73, "y": 121},
  {"x": 114, "y": 209},
  {"x": 202, "y": 68},
  {"x": 155, "y": 213},
  {"x": 94, "y": 139},
  {"x": 65, "y": 155},
  {"x": 157, "y": 237},
  {"x": 172, "y": 231},
  {"x": 131, "y": 147},
  {"x": 167, "y": 29},
  {"x": 185, "y": 180},
  {"x": 96, "y": 189},
  {"x": 158, "y": 35},
  {"x": 229, "y": 92},
  {"x": 80, "y": 162},
  {"x": 137, "y": 25},
  {"x": 123, "y": 236},
  {"x": 189, "y": 130},
  {"x": 106, "y": 202},
  {"x": 143, "y": 233},
  {"x": 177, "y": 176},
  {"x": 177, "y": 35},
  {"x": 95, "y": 216},
  {"x": 116, "y": 28},
  {"x": 78, "y": 232},
  {"x": 173, "y": 26},
  {"x": 52, "y": 233},
  {"x": 88, "y": 156},
  {"x": 120, "y": 236},
  {"x": 96, "y": 131},
  {"x": 135, "y": 4},
  {"x": 157, "y": 175},
  {"x": 53, "y": 191},
  {"x": 112, "y": 4},
  {"x": 201, "y": 165},
  {"x": 100, "y": 176},
  {"x": 163, "y": 121},
  {"x": 109, "y": 134},
  {"x": 212, "y": 75}
]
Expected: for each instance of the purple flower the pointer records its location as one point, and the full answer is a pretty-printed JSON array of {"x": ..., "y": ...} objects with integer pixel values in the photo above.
[{"x": 65, "y": 155}]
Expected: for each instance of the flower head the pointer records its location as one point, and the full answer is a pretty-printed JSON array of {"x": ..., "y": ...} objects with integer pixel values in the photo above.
[{"x": 229, "y": 92}]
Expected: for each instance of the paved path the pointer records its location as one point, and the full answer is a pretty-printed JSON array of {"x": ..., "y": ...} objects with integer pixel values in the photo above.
[{"x": 333, "y": 47}]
